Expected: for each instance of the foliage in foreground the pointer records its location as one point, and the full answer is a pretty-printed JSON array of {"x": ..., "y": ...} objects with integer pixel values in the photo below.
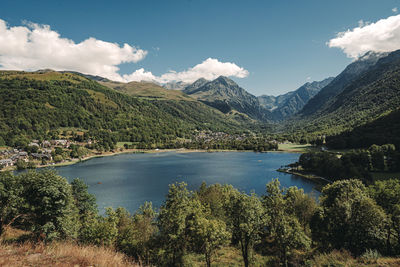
[{"x": 283, "y": 227}]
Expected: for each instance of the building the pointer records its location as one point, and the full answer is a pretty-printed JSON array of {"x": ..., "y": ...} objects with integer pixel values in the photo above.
[
  {"x": 6, "y": 162},
  {"x": 46, "y": 143},
  {"x": 41, "y": 156},
  {"x": 33, "y": 144}
]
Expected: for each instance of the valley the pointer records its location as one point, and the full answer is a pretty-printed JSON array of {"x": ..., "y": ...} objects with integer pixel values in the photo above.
[{"x": 193, "y": 166}]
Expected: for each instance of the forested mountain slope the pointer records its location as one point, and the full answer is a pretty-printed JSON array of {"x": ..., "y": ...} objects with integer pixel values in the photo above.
[
  {"x": 34, "y": 104},
  {"x": 385, "y": 130},
  {"x": 374, "y": 93},
  {"x": 337, "y": 85}
]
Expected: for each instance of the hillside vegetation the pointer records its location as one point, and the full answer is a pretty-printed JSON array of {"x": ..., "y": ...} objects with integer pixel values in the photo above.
[
  {"x": 32, "y": 105},
  {"x": 147, "y": 90},
  {"x": 358, "y": 96}
]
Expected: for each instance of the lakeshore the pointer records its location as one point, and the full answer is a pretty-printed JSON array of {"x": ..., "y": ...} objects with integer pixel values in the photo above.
[
  {"x": 319, "y": 181},
  {"x": 283, "y": 148}
]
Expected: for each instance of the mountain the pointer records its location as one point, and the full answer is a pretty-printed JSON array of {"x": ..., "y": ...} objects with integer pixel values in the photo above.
[
  {"x": 35, "y": 104},
  {"x": 336, "y": 86},
  {"x": 194, "y": 86},
  {"x": 91, "y": 77},
  {"x": 372, "y": 93},
  {"x": 384, "y": 130},
  {"x": 147, "y": 90},
  {"x": 268, "y": 101},
  {"x": 175, "y": 85},
  {"x": 228, "y": 97},
  {"x": 286, "y": 105}
]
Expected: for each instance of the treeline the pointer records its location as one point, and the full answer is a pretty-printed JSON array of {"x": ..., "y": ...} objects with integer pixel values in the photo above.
[
  {"x": 353, "y": 164},
  {"x": 249, "y": 143},
  {"x": 285, "y": 225}
]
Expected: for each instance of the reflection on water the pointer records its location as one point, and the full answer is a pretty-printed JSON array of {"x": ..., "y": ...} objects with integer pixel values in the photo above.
[{"x": 128, "y": 180}]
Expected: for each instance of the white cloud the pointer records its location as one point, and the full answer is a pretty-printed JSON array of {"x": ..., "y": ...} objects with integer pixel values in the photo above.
[
  {"x": 381, "y": 36},
  {"x": 35, "y": 46},
  {"x": 209, "y": 69},
  {"x": 394, "y": 10}
]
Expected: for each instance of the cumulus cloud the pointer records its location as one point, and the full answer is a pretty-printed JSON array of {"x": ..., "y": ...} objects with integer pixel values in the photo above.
[
  {"x": 34, "y": 46},
  {"x": 381, "y": 36},
  {"x": 209, "y": 69}
]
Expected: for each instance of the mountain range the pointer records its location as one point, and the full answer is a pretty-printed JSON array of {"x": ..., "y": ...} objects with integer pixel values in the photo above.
[
  {"x": 34, "y": 103},
  {"x": 366, "y": 90},
  {"x": 286, "y": 105}
]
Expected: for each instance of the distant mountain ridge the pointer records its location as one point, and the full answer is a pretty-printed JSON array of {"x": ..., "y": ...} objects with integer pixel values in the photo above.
[
  {"x": 349, "y": 74},
  {"x": 175, "y": 85},
  {"x": 286, "y": 105},
  {"x": 227, "y": 96}
]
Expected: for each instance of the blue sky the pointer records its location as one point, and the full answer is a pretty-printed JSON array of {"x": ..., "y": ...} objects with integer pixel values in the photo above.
[{"x": 282, "y": 44}]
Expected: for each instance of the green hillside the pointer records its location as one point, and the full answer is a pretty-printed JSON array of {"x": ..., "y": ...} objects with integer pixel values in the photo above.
[
  {"x": 375, "y": 93},
  {"x": 385, "y": 130},
  {"x": 34, "y": 105},
  {"x": 147, "y": 90}
]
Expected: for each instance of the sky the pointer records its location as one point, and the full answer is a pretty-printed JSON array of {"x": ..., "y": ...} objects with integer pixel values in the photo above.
[{"x": 268, "y": 47}]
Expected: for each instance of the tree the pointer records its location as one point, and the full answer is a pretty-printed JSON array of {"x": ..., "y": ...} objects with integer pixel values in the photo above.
[
  {"x": 58, "y": 158},
  {"x": 348, "y": 218},
  {"x": 387, "y": 195},
  {"x": 136, "y": 234},
  {"x": 283, "y": 227},
  {"x": 51, "y": 204},
  {"x": 100, "y": 230},
  {"x": 172, "y": 222},
  {"x": 301, "y": 205},
  {"x": 21, "y": 165},
  {"x": 206, "y": 234},
  {"x": 84, "y": 201},
  {"x": 246, "y": 220},
  {"x": 11, "y": 200}
]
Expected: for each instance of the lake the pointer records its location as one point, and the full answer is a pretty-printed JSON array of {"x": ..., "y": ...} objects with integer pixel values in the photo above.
[{"x": 128, "y": 180}]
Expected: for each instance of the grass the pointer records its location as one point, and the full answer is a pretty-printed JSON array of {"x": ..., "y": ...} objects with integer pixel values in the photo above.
[
  {"x": 226, "y": 256},
  {"x": 121, "y": 144},
  {"x": 13, "y": 253},
  {"x": 60, "y": 254},
  {"x": 42, "y": 76},
  {"x": 298, "y": 148},
  {"x": 101, "y": 98},
  {"x": 147, "y": 90},
  {"x": 344, "y": 258}
]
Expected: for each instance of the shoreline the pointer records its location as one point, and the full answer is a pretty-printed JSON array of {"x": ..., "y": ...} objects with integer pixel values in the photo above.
[
  {"x": 140, "y": 151},
  {"x": 319, "y": 181}
]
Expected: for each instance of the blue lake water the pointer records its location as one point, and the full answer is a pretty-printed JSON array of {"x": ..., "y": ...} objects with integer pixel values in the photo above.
[{"x": 128, "y": 180}]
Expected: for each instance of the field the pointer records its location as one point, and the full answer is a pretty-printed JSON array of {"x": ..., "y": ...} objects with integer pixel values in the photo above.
[{"x": 296, "y": 148}]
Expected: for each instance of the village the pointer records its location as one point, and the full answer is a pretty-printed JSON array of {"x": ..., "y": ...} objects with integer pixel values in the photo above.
[{"x": 45, "y": 153}]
